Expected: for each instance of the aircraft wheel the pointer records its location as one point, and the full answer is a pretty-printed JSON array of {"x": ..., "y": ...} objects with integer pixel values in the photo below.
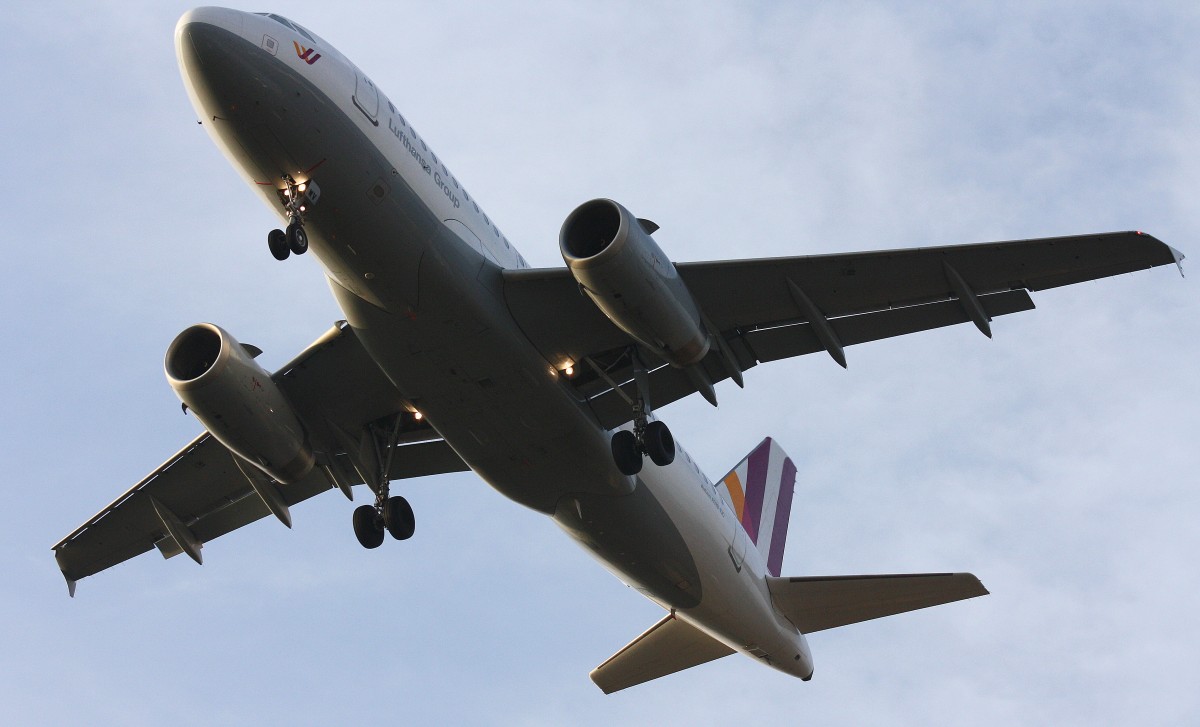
[
  {"x": 660, "y": 445},
  {"x": 297, "y": 238},
  {"x": 398, "y": 515},
  {"x": 277, "y": 241},
  {"x": 367, "y": 527},
  {"x": 625, "y": 453}
]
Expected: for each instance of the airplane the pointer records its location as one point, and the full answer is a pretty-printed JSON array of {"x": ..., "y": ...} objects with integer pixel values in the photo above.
[{"x": 455, "y": 355}]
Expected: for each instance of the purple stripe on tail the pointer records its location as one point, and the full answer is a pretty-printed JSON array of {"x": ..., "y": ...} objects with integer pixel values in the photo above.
[
  {"x": 783, "y": 515},
  {"x": 756, "y": 486}
]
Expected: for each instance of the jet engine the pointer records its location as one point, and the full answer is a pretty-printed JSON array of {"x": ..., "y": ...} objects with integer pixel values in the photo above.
[
  {"x": 237, "y": 401},
  {"x": 625, "y": 273}
]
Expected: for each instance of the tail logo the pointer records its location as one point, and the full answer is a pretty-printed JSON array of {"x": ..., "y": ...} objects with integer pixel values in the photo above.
[
  {"x": 759, "y": 490},
  {"x": 306, "y": 54}
]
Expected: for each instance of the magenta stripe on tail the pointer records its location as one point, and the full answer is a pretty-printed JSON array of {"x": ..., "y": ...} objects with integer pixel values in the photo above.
[
  {"x": 783, "y": 515},
  {"x": 756, "y": 486}
]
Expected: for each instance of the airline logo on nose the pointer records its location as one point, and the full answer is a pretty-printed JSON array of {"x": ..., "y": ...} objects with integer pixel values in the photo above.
[{"x": 306, "y": 54}]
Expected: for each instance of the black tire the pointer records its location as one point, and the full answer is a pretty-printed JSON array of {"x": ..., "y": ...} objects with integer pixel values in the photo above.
[
  {"x": 398, "y": 515},
  {"x": 297, "y": 238},
  {"x": 367, "y": 527},
  {"x": 625, "y": 453},
  {"x": 660, "y": 445},
  {"x": 277, "y": 241}
]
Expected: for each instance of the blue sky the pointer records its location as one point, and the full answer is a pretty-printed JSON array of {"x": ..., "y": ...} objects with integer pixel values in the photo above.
[{"x": 1057, "y": 461}]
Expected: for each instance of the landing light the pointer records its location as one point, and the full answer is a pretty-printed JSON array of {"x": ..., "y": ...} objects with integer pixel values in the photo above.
[
  {"x": 302, "y": 187},
  {"x": 418, "y": 415},
  {"x": 569, "y": 371}
]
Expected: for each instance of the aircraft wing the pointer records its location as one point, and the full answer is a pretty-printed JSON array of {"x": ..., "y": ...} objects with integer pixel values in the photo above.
[
  {"x": 202, "y": 492},
  {"x": 773, "y": 308}
]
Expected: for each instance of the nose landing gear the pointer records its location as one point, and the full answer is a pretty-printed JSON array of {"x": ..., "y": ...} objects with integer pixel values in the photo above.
[{"x": 297, "y": 198}]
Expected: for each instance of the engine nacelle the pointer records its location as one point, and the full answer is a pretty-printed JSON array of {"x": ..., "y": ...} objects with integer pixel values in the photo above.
[
  {"x": 625, "y": 273},
  {"x": 237, "y": 401}
]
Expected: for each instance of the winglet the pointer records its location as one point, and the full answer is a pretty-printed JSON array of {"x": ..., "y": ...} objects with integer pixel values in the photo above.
[
  {"x": 1178, "y": 260},
  {"x": 70, "y": 586}
]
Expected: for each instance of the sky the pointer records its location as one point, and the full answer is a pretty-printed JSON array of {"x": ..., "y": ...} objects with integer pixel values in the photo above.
[{"x": 1058, "y": 461}]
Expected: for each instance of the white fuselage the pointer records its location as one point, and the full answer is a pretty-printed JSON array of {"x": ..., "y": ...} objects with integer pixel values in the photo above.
[{"x": 415, "y": 264}]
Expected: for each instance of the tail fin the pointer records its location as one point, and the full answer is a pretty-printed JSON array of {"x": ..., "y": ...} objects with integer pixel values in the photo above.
[{"x": 759, "y": 489}]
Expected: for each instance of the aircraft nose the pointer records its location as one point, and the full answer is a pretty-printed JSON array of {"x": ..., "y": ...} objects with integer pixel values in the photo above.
[
  {"x": 213, "y": 57},
  {"x": 201, "y": 32}
]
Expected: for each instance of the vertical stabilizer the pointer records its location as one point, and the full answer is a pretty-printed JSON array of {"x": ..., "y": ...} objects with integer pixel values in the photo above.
[{"x": 759, "y": 489}]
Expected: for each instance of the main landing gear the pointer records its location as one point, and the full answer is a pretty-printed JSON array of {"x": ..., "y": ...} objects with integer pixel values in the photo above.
[
  {"x": 650, "y": 438},
  {"x": 392, "y": 515},
  {"x": 297, "y": 198},
  {"x": 389, "y": 514}
]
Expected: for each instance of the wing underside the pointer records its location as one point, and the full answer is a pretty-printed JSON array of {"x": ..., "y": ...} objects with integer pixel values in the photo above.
[
  {"x": 204, "y": 491},
  {"x": 769, "y": 309}
]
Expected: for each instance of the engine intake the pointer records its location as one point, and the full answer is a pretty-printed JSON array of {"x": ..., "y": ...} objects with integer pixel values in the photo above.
[
  {"x": 237, "y": 401},
  {"x": 626, "y": 274}
]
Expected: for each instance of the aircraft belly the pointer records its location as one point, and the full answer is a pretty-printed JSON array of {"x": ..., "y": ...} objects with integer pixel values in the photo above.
[
  {"x": 484, "y": 388},
  {"x": 635, "y": 536}
]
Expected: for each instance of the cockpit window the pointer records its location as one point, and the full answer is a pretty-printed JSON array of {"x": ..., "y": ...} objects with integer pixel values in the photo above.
[{"x": 287, "y": 23}]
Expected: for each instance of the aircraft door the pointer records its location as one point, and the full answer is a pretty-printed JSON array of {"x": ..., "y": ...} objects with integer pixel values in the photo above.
[{"x": 366, "y": 97}]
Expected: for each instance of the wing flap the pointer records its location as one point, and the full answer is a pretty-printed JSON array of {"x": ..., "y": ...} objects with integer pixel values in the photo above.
[
  {"x": 817, "y": 603},
  {"x": 669, "y": 384},
  {"x": 669, "y": 646},
  {"x": 739, "y": 293},
  {"x": 772, "y": 344}
]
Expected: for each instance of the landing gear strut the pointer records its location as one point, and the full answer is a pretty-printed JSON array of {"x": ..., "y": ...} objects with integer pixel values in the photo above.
[
  {"x": 389, "y": 514},
  {"x": 649, "y": 438},
  {"x": 297, "y": 198}
]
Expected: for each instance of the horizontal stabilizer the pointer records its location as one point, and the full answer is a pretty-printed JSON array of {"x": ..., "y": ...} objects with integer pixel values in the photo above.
[
  {"x": 817, "y": 603},
  {"x": 668, "y": 646}
]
